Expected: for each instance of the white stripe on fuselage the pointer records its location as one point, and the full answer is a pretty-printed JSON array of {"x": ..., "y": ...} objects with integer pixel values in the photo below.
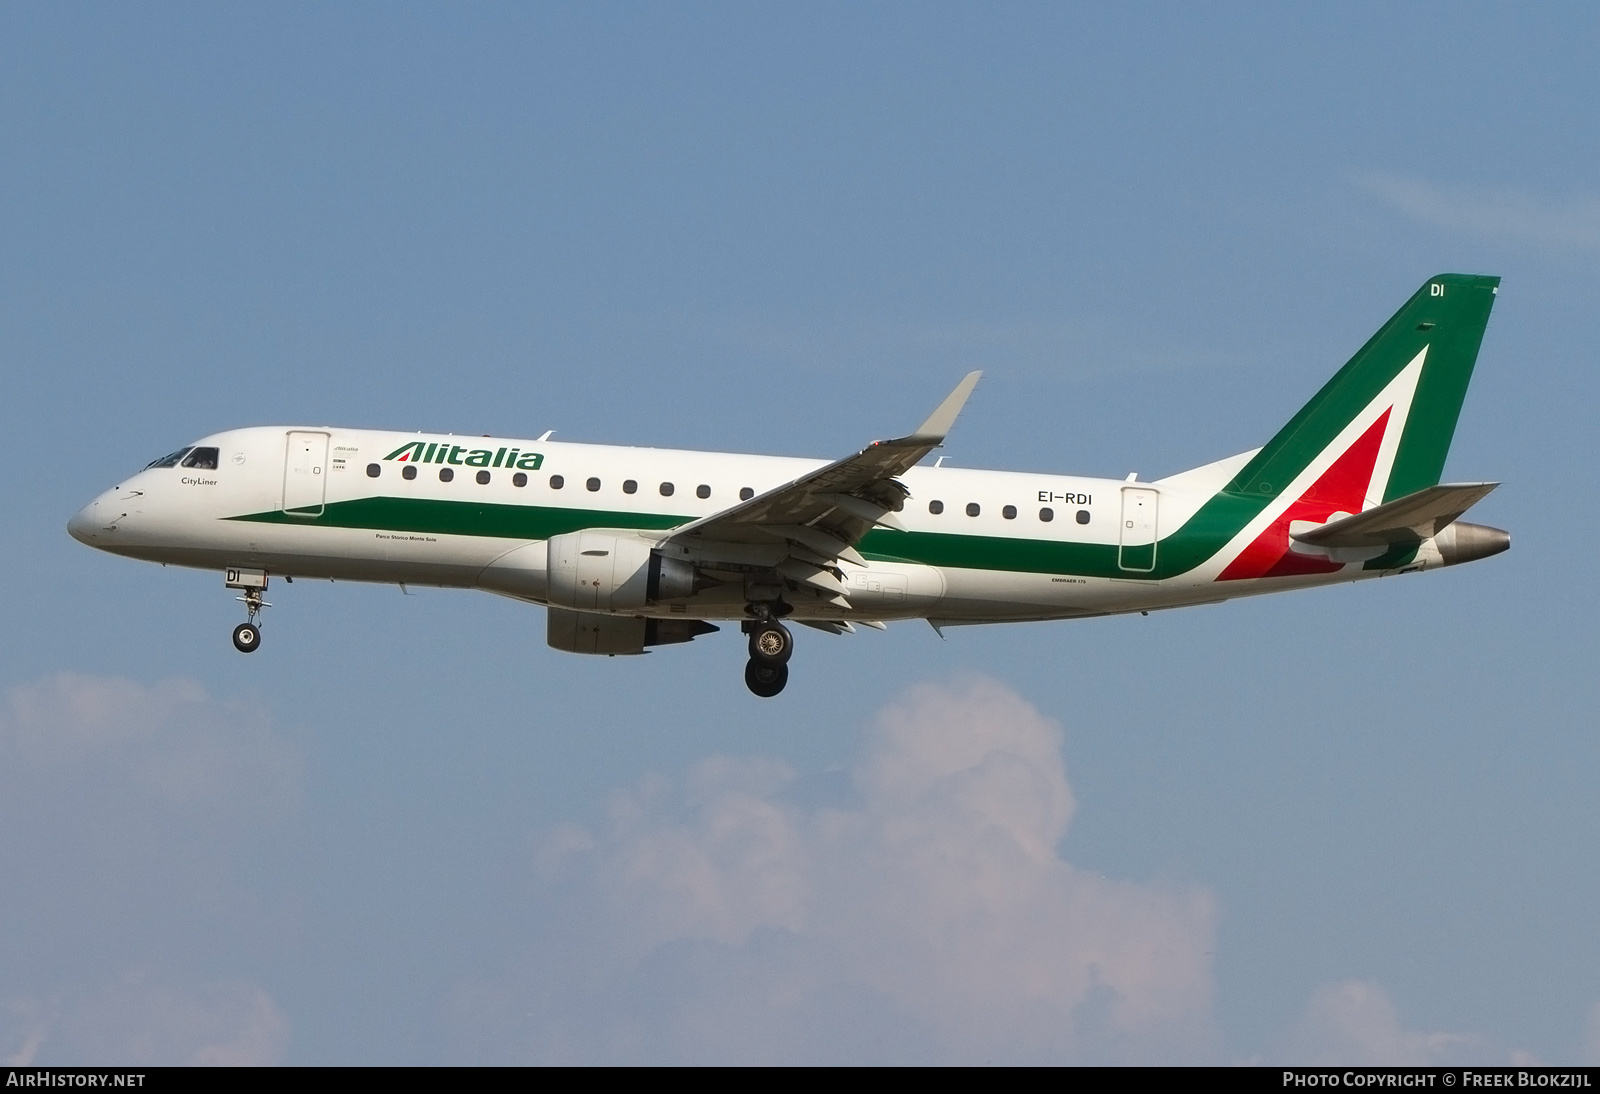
[{"x": 1395, "y": 398}]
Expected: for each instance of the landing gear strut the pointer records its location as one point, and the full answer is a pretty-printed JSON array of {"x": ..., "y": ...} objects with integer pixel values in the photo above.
[
  {"x": 247, "y": 636},
  {"x": 771, "y": 646}
]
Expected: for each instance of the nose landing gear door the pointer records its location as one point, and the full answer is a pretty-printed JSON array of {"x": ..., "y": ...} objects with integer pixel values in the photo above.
[{"x": 305, "y": 474}]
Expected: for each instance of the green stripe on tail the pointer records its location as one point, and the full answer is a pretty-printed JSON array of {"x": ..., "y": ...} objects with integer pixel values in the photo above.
[{"x": 1448, "y": 316}]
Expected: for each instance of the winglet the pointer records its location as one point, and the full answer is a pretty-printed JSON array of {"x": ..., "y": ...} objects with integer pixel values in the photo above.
[{"x": 939, "y": 422}]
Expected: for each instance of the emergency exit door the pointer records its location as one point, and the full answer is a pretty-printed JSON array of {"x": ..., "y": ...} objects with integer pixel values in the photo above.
[{"x": 305, "y": 474}]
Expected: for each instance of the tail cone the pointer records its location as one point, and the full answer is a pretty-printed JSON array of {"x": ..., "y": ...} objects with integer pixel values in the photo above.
[{"x": 1462, "y": 542}]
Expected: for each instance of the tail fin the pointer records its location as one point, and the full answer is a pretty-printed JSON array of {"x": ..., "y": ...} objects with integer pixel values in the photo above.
[{"x": 1392, "y": 410}]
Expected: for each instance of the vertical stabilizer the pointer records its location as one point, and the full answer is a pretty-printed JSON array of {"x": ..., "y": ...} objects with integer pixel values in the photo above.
[
  {"x": 1417, "y": 367},
  {"x": 1379, "y": 430}
]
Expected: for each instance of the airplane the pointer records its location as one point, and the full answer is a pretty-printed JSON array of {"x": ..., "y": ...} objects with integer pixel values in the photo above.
[{"x": 633, "y": 548}]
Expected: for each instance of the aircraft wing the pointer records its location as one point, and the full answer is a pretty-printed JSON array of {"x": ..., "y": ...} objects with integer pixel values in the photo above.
[
  {"x": 823, "y": 514},
  {"x": 1413, "y": 517}
]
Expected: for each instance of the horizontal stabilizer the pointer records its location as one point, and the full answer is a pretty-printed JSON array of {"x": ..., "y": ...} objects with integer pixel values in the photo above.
[{"x": 1414, "y": 517}]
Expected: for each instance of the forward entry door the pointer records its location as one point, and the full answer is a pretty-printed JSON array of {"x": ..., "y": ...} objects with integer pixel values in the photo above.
[
  {"x": 1137, "y": 546},
  {"x": 305, "y": 474}
]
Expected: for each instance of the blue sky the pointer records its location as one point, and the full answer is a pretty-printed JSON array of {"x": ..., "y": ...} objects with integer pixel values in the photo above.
[{"x": 1352, "y": 824}]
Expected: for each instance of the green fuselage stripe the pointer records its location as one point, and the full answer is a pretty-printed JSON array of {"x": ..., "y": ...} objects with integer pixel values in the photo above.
[
  {"x": 1178, "y": 553},
  {"x": 465, "y": 518}
]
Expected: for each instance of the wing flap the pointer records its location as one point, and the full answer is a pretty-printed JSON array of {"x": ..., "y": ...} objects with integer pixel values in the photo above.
[
  {"x": 818, "y": 577},
  {"x": 832, "y": 626}
]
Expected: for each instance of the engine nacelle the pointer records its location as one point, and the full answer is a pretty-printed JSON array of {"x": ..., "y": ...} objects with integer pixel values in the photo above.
[
  {"x": 604, "y": 571},
  {"x": 586, "y": 632}
]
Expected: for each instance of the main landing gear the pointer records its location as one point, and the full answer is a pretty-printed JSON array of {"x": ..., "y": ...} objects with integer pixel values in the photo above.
[
  {"x": 765, "y": 680},
  {"x": 247, "y": 636},
  {"x": 771, "y": 645}
]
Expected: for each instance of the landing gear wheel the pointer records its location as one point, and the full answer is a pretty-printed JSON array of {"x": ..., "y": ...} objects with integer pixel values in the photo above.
[
  {"x": 771, "y": 644},
  {"x": 765, "y": 680},
  {"x": 247, "y": 636}
]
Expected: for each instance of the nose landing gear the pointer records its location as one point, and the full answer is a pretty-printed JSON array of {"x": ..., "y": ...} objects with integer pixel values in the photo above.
[
  {"x": 771, "y": 646},
  {"x": 247, "y": 636}
]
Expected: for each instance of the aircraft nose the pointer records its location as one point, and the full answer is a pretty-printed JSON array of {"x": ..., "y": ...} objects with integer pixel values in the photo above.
[{"x": 83, "y": 525}]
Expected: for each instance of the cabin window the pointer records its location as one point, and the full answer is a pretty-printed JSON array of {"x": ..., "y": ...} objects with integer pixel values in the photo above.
[
  {"x": 557, "y": 482},
  {"x": 409, "y": 471},
  {"x": 446, "y": 474},
  {"x": 168, "y": 461},
  {"x": 973, "y": 509},
  {"x": 592, "y": 485},
  {"x": 630, "y": 486},
  {"x": 374, "y": 470},
  {"x": 936, "y": 507},
  {"x": 519, "y": 479},
  {"x": 1083, "y": 516},
  {"x": 483, "y": 478},
  {"x": 1047, "y": 514},
  {"x": 746, "y": 493},
  {"x": 1009, "y": 512},
  {"x": 666, "y": 489},
  {"x": 202, "y": 459},
  {"x": 702, "y": 491}
]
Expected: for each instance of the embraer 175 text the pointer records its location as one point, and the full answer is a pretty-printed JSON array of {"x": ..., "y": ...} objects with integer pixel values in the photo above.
[{"x": 629, "y": 548}]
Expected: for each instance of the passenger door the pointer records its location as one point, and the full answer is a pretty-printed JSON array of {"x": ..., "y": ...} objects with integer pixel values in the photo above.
[
  {"x": 305, "y": 474},
  {"x": 1136, "y": 551}
]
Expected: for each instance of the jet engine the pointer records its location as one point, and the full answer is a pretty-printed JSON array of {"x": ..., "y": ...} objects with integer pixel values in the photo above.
[
  {"x": 602, "y": 571},
  {"x": 586, "y": 632}
]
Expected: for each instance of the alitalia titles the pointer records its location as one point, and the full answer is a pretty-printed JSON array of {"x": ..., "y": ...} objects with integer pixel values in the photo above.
[{"x": 461, "y": 456}]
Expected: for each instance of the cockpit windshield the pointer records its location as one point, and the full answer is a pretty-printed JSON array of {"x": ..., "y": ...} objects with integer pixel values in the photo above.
[
  {"x": 168, "y": 461},
  {"x": 205, "y": 459}
]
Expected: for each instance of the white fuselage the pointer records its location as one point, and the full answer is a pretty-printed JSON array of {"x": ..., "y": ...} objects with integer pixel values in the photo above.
[{"x": 304, "y": 502}]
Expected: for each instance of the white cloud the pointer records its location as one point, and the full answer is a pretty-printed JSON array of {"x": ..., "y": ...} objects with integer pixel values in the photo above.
[
  {"x": 142, "y": 1019},
  {"x": 1590, "y": 1053},
  {"x": 935, "y": 919},
  {"x": 133, "y": 816},
  {"x": 1571, "y": 223},
  {"x": 1355, "y": 1023},
  {"x": 167, "y": 743}
]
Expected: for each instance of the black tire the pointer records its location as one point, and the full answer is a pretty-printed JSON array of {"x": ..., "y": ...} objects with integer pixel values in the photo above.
[
  {"x": 771, "y": 644},
  {"x": 765, "y": 680},
  {"x": 247, "y": 638}
]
